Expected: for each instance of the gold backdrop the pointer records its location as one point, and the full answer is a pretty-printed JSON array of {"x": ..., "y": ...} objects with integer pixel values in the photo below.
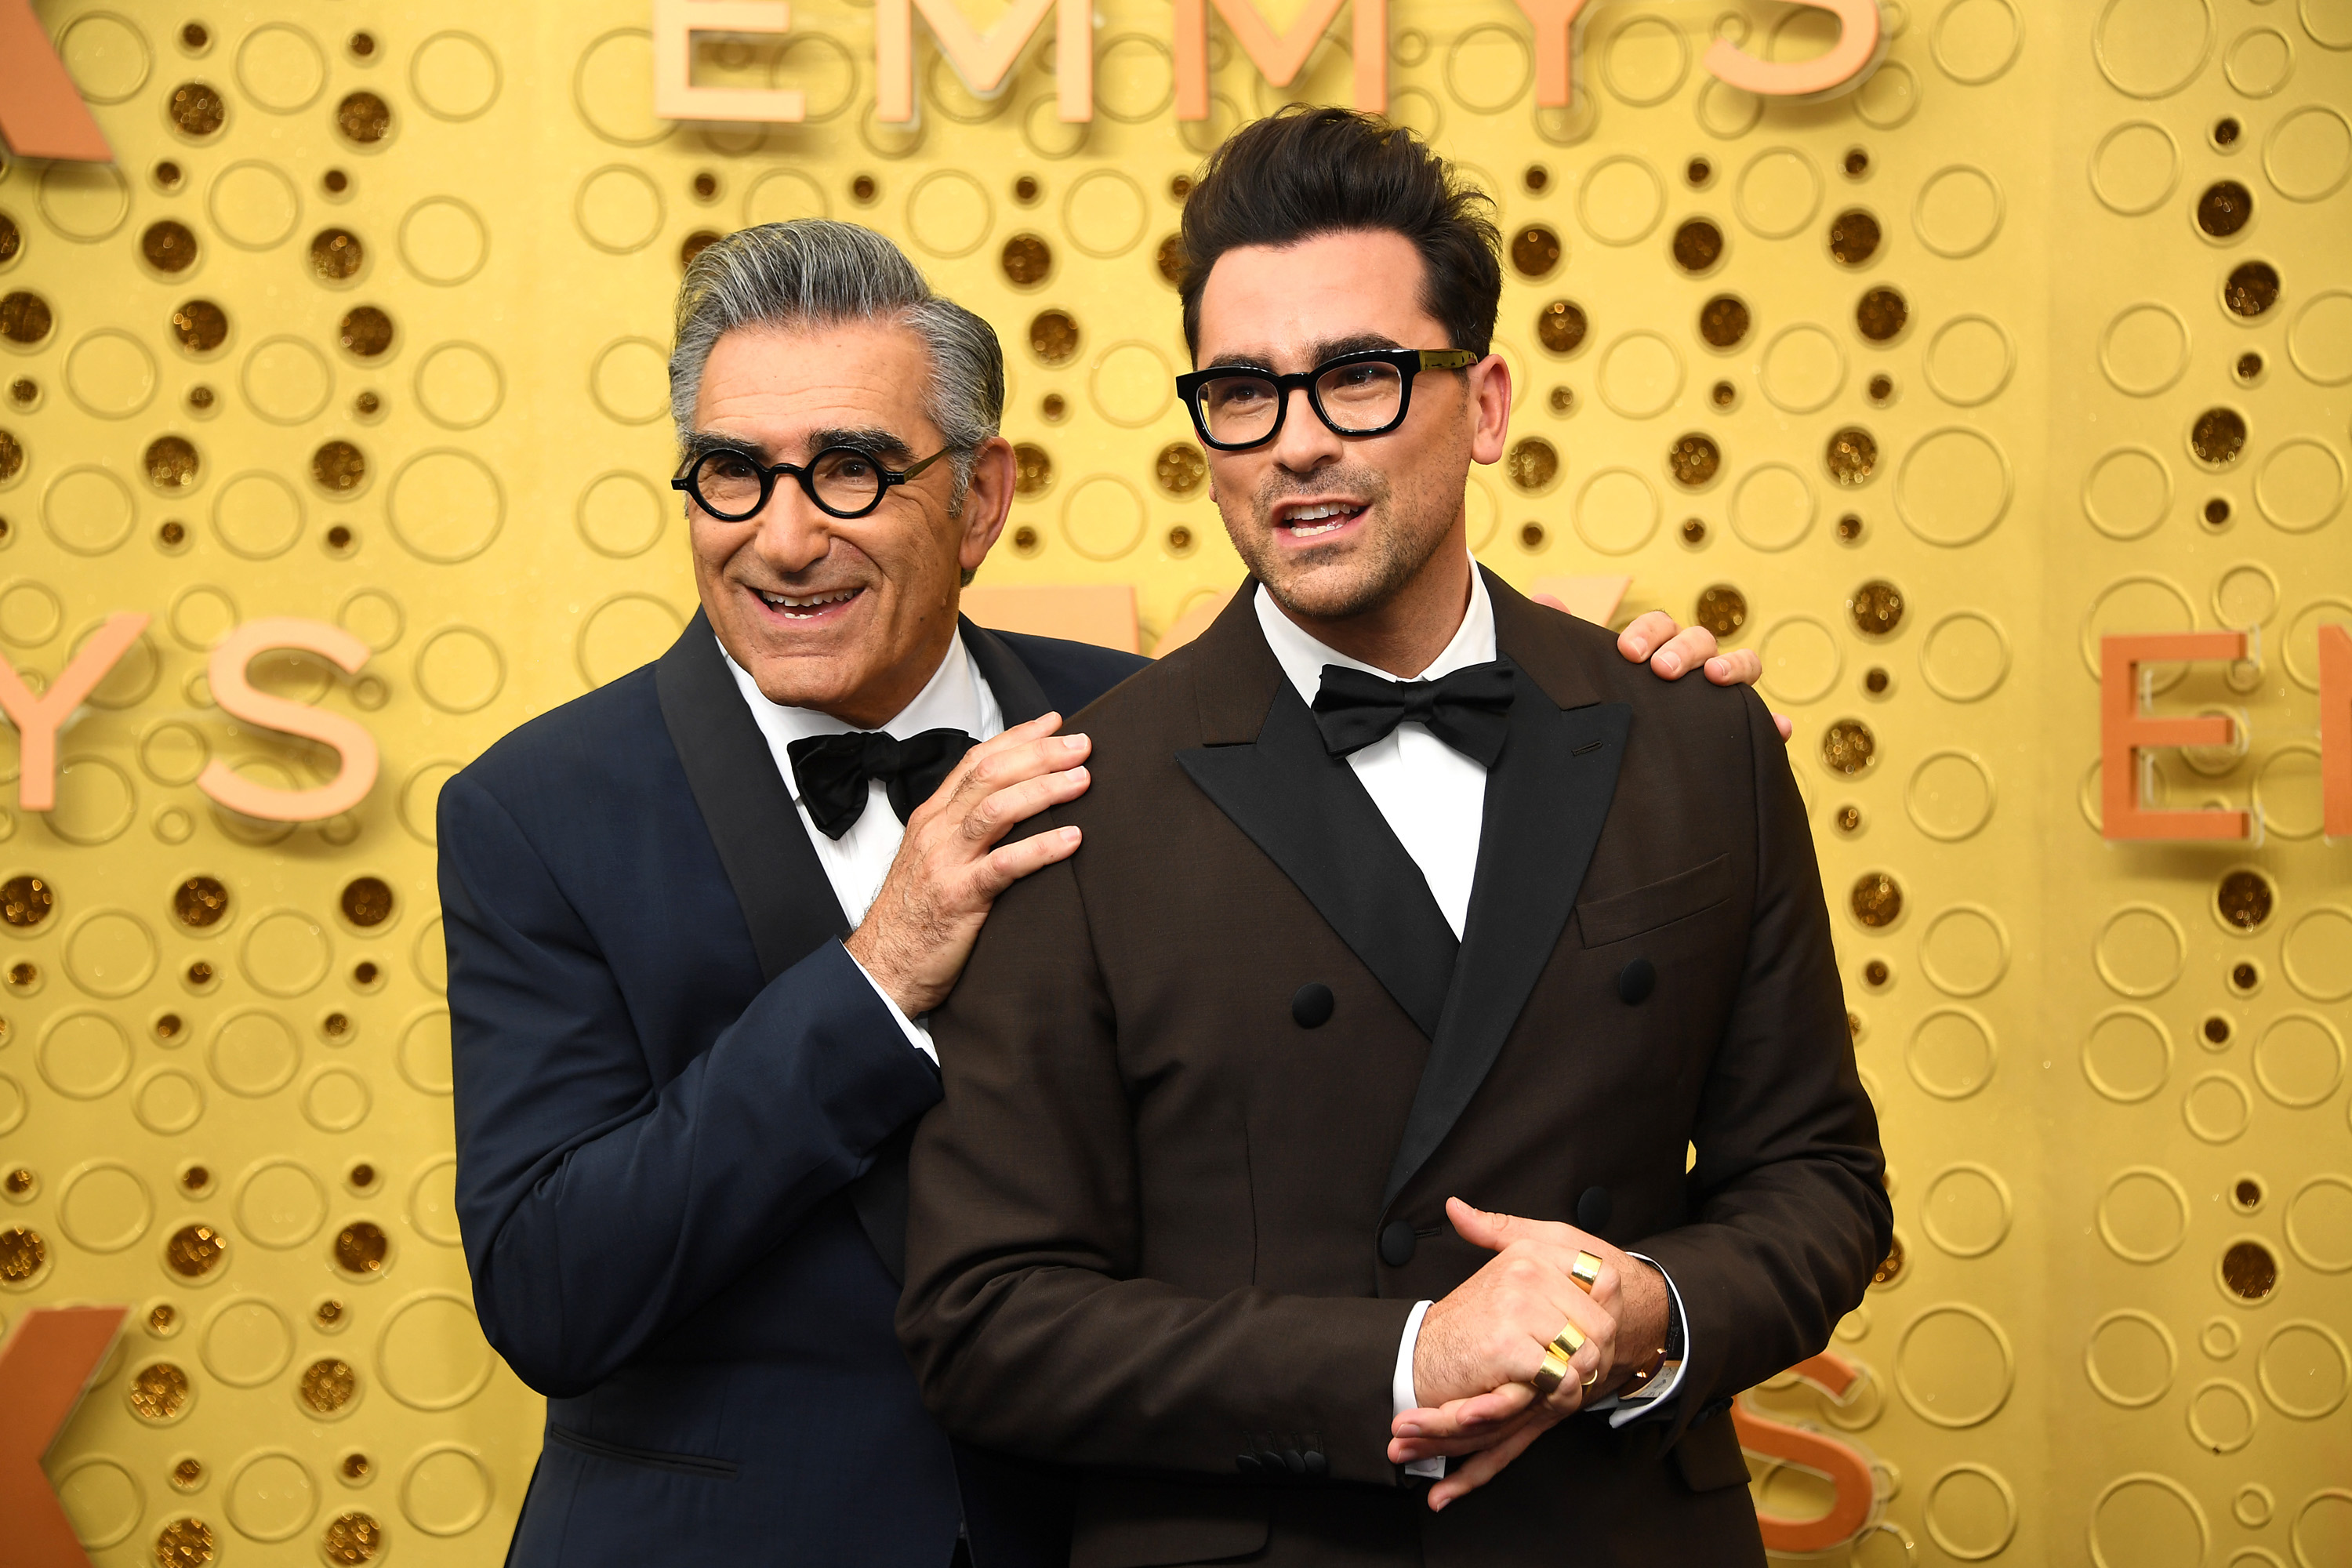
[{"x": 2043, "y": 332}]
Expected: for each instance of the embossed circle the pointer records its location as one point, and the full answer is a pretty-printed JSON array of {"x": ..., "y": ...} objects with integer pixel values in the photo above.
[
  {"x": 2299, "y": 1059},
  {"x": 110, "y": 954},
  {"x": 624, "y": 633},
  {"x": 778, "y": 195},
  {"x": 246, "y": 1341},
  {"x": 1964, "y": 950},
  {"x": 285, "y": 953},
  {"x": 281, "y": 68},
  {"x": 2131, "y": 1358},
  {"x": 103, "y": 1500},
  {"x": 1778, "y": 192},
  {"x": 949, "y": 213},
  {"x": 2127, "y": 1053},
  {"x": 2308, "y": 153},
  {"x": 2319, "y": 341},
  {"x": 109, "y": 373},
  {"x": 612, "y": 89},
  {"x": 1131, "y": 383},
  {"x": 107, "y": 56},
  {"x": 620, "y": 514},
  {"x": 2304, "y": 1370},
  {"x": 2146, "y": 1520},
  {"x": 1953, "y": 1365},
  {"x": 1617, "y": 510},
  {"x": 280, "y": 1204},
  {"x": 1969, "y": 361},
  {"x": 454, "y": 76},
  {"x": 445, "y": 506},
  {"x": 2319, "y": 1223},
  {"x": 2139, "y": 951},
  {"x": 2300, "y": 485},
  {"x": 1772, "y": 507},
  {"x": 2316, "y": 953},
  {"x": 1966, "y": 1209},
  {"x": 167, "y": 1103},
  {"x": 83, "y": 202},
  {"x": 104, "y": 1206},
  {"x": 2134, "y": 167},
  {"x": 459, "y": 385},
  {"x": 1641, "y": 374},
  {"x": 271, "y": 1497},
  {"x": 2127, "y": 492},
  {"x": 1951, "y": 1054},
  {"x": 424, "y": 1054},
  {"x": 258, "y": 515},
  {"x": 1103, "y": 517},
  {"x": 2144, "y": 349},
  {"x": 629, "y": 380},
  {"x": 1953, "y": 486},
  {"x": 1104, "y": 213},
  {"x": 1801, "y": 660},
  {"x": 88, "y": 510},
  {"x": 430, "y": 1354},
  {"x": 253, "y": 206},
  {"x": 459, "y": 669},
  {"x": 1620, "y": 200},
  {"x": 1645, "y": 61},
  {"x": 336, "y": 1099},
  {"x": 287, "y": 381},
  {"x": 433, "y": 1202},
  {"x": 444, "y": 241},
  {"x": 1974, "y": 42},
  {"x": 253, "y": 1053},
  {"x": 2152, "y": 49},
  {"x": 1949, "y": 797},
  {"x": 83, "y": 1056},
  {"x": 1803, "y": 368},
  {"x": 2143, "y": 1214},
  {"x": 447, "y": 1490},
  {"x": 1958, "y": 209},
  {"x": 1971, "y": 1511}
]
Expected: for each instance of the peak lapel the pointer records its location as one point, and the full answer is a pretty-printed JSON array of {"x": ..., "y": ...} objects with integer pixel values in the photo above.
[
  {"x": 1545, "y": 801},
  {"x": 1267, "y": 769}
]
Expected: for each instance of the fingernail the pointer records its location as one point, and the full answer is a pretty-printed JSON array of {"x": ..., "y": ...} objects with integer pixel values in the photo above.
[
  {"x": 1070, "y": 836},
  {"x": 1669, "y": 664},
  {"x": 1075, "y": 743}
]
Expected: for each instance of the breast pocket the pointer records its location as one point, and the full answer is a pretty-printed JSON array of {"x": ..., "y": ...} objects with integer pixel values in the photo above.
[{"x": 1621, "y": 915}]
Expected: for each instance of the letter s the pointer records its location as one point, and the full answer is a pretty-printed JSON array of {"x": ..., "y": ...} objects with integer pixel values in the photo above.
[
  {"x": 238, "y": 698},
  {"x": 1844, "y": 65}
]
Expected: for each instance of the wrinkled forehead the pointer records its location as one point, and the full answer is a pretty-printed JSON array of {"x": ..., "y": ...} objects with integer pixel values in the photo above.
[{"x": 773, "y": 384}]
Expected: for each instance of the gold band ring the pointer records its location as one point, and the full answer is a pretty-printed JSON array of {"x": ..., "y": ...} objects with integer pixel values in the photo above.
[
  {"x": 1569, "y": 1341},
  {"x": 1593, "y": 1378},
  {"x": 1550, "y": 1375},
  {"x": 1585, "y": 1271}
]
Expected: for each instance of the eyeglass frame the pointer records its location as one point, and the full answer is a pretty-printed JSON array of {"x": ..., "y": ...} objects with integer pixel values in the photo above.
[
  {"x": 770, "y": 473},
  {"x": 1407, "y": 363}
]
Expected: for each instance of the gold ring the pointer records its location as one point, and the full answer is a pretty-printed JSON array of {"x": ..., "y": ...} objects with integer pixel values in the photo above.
[
  {"x": 1550, "y": 1375},
  {"x": 1593, "y": 1378},
  {"x": 1585, "y": 1271},
  {"x": 1569, "y": 1341}
]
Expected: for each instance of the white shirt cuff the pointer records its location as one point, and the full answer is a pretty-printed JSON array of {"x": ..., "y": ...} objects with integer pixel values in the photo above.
[
  {"x": 917, "y": 1033},
  {"x": 1401, "y": 1389},
  {"x": 1621, "y": 1409}
]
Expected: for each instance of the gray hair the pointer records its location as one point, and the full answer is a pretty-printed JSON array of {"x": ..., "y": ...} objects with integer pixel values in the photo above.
[{"x": 815, "y": 272}]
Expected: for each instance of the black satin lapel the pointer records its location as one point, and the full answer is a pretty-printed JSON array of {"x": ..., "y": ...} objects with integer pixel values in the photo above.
[
  {"x": 1308, "y": 811},
  {"x": 1546, "y": 802},
  {"x": 1018, "y": 696},
  {"x": 778, "y": 881}
]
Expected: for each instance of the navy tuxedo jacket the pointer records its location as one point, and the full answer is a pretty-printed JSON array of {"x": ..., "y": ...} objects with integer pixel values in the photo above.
[{"x": 682, "y": 1117}]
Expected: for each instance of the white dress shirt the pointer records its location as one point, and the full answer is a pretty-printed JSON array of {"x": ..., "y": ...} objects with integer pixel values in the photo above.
[
  {"x": 956, "y": 698},
  {"x": 1433, "y": 799}
]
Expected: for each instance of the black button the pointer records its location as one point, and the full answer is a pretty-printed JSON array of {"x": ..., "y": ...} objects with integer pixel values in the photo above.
[
  {"x": 1310, "y": 1008},
  {"x": 1317, "y": 1465},
  {"x": 1269, "y": 1461},
  {"x": 1246, "y": 1463},
  {"x": 1592, "y": 1210},
  {"x": 1296, "y": 1460},
  {"x": 1636, "y": 981},
  {"x": 1397, "y": 1243}
]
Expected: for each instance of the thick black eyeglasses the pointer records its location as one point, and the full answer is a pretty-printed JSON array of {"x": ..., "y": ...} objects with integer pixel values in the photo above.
[
  {"x": 733, "y": 485},
  {"x": 1365, "y": 393}
]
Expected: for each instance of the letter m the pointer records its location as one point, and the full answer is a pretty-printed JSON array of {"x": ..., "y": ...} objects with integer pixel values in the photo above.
[
  {"x": 1279, "y": 56},
  {"x": 982, "y": 59}
]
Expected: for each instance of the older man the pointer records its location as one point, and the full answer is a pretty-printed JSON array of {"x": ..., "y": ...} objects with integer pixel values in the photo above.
[{"x": 696, "y": 920}]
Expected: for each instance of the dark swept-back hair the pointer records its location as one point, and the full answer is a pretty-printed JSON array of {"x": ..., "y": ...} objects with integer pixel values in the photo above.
[{"x": 1307, "y": 172}]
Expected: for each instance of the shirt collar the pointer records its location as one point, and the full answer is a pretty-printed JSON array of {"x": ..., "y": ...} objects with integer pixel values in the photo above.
[
  {"x": 1303, "y": 657},
  {"x": 951, "y": 699}
]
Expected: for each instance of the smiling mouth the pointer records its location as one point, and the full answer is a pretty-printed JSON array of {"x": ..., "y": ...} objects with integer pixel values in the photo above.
[
  {"x": 1313, "y": 521},
  {"x": 805, "y": 606}
]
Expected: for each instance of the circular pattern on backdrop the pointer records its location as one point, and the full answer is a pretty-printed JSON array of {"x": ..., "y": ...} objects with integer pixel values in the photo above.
[
  {"x": 1971, "y": 1509},
  {"x": 618, "y": 209},
  {"x": 1641, "y": 374},
  {"x": 1954, "y": 1366},
  {"x": 1103, "y": 517},
  {"x": 30, "y": 613},
  {"x": 336, "y": 1099},
  {"x": 2319, "y": 341},
  {"x": 2319, "y": 1223},
  {"x": 778, "y": 195},
  {"x": 2218, "y": 1108},
  {"x": 1134, "y": 77},
  {"x": 83, "y": 1056},
  {"x": 949, "y": 213},
  {"x": 1953, "y": 486},
  {"x": 430, "y": 1354},
  {"x": 2131, "y": 1358},
  {"x": 2304, "y": 1371},
  {"x": 2134, "y": 167},
  {"x": 285, "y": 953},
  {"x": 1622, "y": 199},
  {"x": 280, "y": 67},
  {"x": 271, "y": 1497},
  {"x": 2308, "y": 153},
  {"x": 285, "y": 380},
  {"x": 1104, "y": 213},
  {"x": 2127, "y": 492},
  {"x": 443, "y": 241},
  {"x": 1488, "y": 67},
  {"x": 167, "y": 1103},
  {"x": 624, "y": 632},
  {"x": 1889, "y": 97},
  {"x": 612, "y": 89},
  {"x": 2144, "y": 1519},
  {"x": 2152, "y": 49},
  {"x": 246, "y": 1341},
  {"x": 253, "y": 1054},
  {"x": 424, "y": 1053},
  {"x": 1778, "y": 192},
  {"x": 2144, "y": 349},
  {"x": 1803, "y": 368},
  {"x": 459, "y": 669},
  {"x": 88, "y": 510},
  {"x": 95, "y": 801},
  {"x": 2139, "y": 951},
  {"x": 1645, "y": 61},
  {"x": 1616, "y": 512},
  {"x": 1772, "y": 507},
  {"x": 1964, "y": 950},
  {"x": 629, "y": 380},
  {"x": 620, "y": 514},
  {"x": 1951, "y": 1054},
  {"x": 459, "y": 385},
  {"x": 1966, "y": 1209},
  {"x": 280, "y": 1204},
  {"x": 1724, "y": 112},
  {"x": 106, "y": 55},
  {"x": 104, "y": 1206},
  {"x": 447, "y": 1490},
  {"x": 445, "y": 506},
  {"x": 454, "y": 76},
  {"x": 83, "y": 202},
  {"x": 433, "y": 1202},
  {"x": 109, "y": 373},
  {"x": 1969, "y": 361},
  {"x": 258, "y": 515},
  {"x": 253, "y": 206},
  {"x": 103, "y": 1501},
  {"x": 2259, "y": 61},
  {"x": 2287, "y": 792},
  {"x": 2143, "y": 1214},
  {"x": 2127, "y": 1053},
  {"x": 1949, "y": 797},
  {"x": 2299, "y": 1059},
  {"x": 1801, "y": 660},
  {"x": 2299, "y": 485},
  {"x": 1958, "y": 209},
  {"x": 1975, "y": 41},
  {"x": 2317, "y": 953},
  {"x": 1131, "y": 383},
  {"x": 110, "y": 954}
]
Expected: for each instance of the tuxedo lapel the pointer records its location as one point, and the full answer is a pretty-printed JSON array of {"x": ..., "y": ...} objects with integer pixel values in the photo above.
[
  {"x": 1545, "y": 801},
  {"x": 779, "y": 884},
  {"x": 1018, "y": 696},
  {"x": 1305, "y": 809}
]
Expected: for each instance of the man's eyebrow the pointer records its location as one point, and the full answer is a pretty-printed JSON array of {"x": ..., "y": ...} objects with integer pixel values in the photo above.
[
  {"x": 873, "y": 440},
  {"x": 1320, "y": 352}
]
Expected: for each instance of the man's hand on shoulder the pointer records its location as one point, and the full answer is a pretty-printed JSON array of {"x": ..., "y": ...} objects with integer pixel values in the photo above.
[
  {"x": 1673, "y": 652},
  {"x": 1481, "y": 1348},
  {"x": 952, "y": 863}
]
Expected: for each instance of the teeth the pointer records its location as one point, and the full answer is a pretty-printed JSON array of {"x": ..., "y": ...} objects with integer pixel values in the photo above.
[
  {"x": 1316, "y": 513},
  {"x": 1311, "y": 532},
  {"x": 806, "y": 602}
]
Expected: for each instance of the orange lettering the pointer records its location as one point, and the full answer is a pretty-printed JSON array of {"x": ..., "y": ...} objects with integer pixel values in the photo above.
[
  {"x": 41, "y": 111},
  {"x": 2336, "y": 728},
  {"x": 39, "y": 720},
  {"x": 1556, "y": 24},
  {"x": 982, "y": 59},
  {"x": 674, "y": 95},
  {"x": 2126, "y": 728},
  {"x": 1844, "y": 65},
  {"x": 46, "y": 1366},
  {"x": 1280, "y": 57},
  {"x": 1839, "y": 1463},
  {"x": 238, "y": 698}
]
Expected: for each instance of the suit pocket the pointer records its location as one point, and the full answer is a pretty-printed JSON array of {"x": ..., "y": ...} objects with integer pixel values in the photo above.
[
  {"x": 1686, "y": 893},
  {"x": 1132, "y": 1523},
  {"x": 651, "y": 1458}
]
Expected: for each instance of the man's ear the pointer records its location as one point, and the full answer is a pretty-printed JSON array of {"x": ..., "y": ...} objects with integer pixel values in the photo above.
[
  {"x": 987, "y": 502},
  {"x": 1488, "y": 384}
]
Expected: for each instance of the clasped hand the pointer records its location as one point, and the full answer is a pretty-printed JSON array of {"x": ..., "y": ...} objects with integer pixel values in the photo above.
[{"x": 1481, "y": 1348}]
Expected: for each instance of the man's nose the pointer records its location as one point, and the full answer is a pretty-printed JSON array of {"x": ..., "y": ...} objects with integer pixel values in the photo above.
[
  {"x": 794, "y": 533},
  {"x": 1304, "y": 442}
]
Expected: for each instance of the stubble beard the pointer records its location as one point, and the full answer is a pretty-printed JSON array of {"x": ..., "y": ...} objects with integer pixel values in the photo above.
[{"x": 1399, "y": 535}]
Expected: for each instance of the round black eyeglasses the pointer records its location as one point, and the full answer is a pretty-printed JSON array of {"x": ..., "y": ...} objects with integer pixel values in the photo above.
[
  {"x": 1365, "y": 393},
  {"x": 733, "y": 485}
]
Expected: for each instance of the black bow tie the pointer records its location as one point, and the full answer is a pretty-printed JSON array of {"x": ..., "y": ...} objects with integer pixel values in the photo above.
[
  {"x": 1469, "y": 709},
  {"x": 833, "y": 771}
]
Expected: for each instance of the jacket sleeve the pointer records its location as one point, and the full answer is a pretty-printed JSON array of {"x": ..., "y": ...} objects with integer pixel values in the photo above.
[
  {"x": 1789, "y": 1208},
  {"x": 1026, "y": 1313},
  {"x": 598, "y": 1208}
]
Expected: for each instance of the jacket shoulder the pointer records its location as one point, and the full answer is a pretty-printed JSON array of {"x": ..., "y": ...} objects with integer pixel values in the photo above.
[
  {"x": 614, "y": 736},
  {"x": 1073, "y": 673}
]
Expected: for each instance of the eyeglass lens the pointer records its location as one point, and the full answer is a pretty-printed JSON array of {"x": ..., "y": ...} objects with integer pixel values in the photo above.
[
  {"x": 1355, "y": 399},
  {"x": 729, "y": 483}
]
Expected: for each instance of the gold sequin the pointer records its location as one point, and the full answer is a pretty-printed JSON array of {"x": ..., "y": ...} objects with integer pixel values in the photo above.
[
  {"x": 339, "y": 466},
  {"x": 1532, "y": 463},
  {"x": 1535, "y": 251},
  {"x": 336, "y": 254},
  {"x": 185, "y": 1544},
  {"x": 364, "y": 118},
  {"x": 25, "y": 901},
  {"x": 1877, "y": 608},
  {"x": 1180, "y": 467},
  {"x": 1560, "y": 326},
  {"x": 1890, "y": 1268},
  {"x": 1881, "y": 314},
  {"x": 1876, "y": 900},
  {"x": 1027, "y": 258},
  {"x": 197, "y": 109},
  {"x": 367, "y": 331},
  {"x": 169, "y": 246},
  {"x": 327, "y": 1385},
  {"x": 159, "y": 1391},
  {"x": 12, "y": 459},
  {"x": 1053, "y": 337},
  {"x": 12, "y": 238},
  {"x": 22, "y": 1253},
  {"x": 361, "y": 1248},
  {"x": 1169, "y": 259},
  {"x": 1698, "y": 245},
  {"x": 171, "y": 462},
  {"x": 2251, "y": 290},
  {"x": 2226, "y": 207},
  {"x": 1853, "y": 456},
  {"x": 1848, "y": 746},
  {"x": 1033, "y": 469},
  {"x": 2244, "y": 899},
  {"x": 2250, "y": 1270},
  {"x": 188, "y": 1474},
  {"x": 1724, "y": 320},
  {"x": 350, "y": 1539},
  {"x": 24, "y": 318},
  {"x": 201, "y": 326},
  {"x": 1694, "y": 459},
  {"x": 1722, "y": 609},
  {"x": 195, "y": 1251},
  {"x": 200, "y": 901},
  {"x": 1854, "y": 237}
]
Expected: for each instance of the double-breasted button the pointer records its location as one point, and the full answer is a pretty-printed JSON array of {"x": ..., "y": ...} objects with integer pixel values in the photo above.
[
  {"x": 1636, "y": 981},
  {"x": 1397, "y": 1243},
  {"x": 1311, "y": 1004},
  {"x": 1246, "y": 1464},
  {"x": 1269, "y": 1461},
  {"x": 1592, "y": 1208},
  {"x": 1317, "y": 1465},
  {"x": 1294, "y": 1461}
]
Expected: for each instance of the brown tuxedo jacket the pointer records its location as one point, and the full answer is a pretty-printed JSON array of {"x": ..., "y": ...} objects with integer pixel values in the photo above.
[{"x": 1166, "y": 1227}]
